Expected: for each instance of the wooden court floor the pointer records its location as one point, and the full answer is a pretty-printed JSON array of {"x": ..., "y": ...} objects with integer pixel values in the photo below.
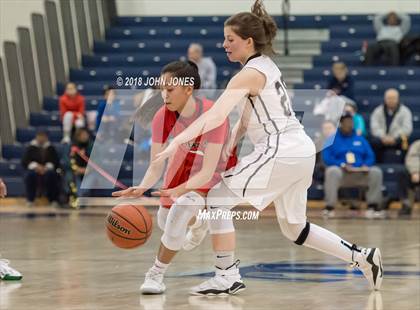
[{"x": 68, "y": 263}]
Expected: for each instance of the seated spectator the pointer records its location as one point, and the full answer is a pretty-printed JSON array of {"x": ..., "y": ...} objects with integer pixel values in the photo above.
[
  {"x": 328, "y": 128},
  {"x": 72, "y": 110},
  {"x": 331, "y": 107},
  {"x": 351, "y": 159},
  {"x": 390, "y": 29},
  {"x": 409, "y": 47},
  {"x": 409, "y": 178},
  {"x": 81, "y": 145},
  {"x": 41, "y": 162},
  {"x": 206, "y": 67},
  {"x": 108, "y": 117},
  {"x": 341, "y": 82},
  {"x": 358, "y": 121},
  {"x": 391, "y": 125}
]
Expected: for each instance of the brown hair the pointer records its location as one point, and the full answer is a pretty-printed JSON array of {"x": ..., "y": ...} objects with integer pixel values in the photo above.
[
  {"x": 183, "y": 69},
  {"x": 257, "y": 25}
]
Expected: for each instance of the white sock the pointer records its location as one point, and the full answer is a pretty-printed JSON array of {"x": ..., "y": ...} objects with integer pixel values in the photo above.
[
  {"x": 224, "y": 259},
  {"x": 159, "y": 266},
  {"x": 325, "y": 241}
]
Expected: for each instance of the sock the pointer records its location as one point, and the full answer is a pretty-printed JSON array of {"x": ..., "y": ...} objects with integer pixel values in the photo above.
[
  {"x": 224, "y": 259},
  {"x": 325, "y": 241},
  {"x": 159, "y": 266}
]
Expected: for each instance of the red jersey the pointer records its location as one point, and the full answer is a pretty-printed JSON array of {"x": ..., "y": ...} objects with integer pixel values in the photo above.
[
  {"x": 75, "y": 104},
  {"x": 188, "y": 159}
]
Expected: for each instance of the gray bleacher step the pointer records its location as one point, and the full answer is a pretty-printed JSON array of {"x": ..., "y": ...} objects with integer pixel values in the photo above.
[
  {"x": 290, "y": 81},
  {"x": 292, "y": 73},
  {"x": 295, "y": 66},
  {"x": 298, "y": 45},
  {"x": 293, "y": 59},
  {"x": 299, "y": 52},
  {"x": 314, "y": 35}
]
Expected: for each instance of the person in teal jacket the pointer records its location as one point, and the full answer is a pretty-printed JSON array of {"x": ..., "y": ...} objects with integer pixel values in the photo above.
[
  {"x": 347, "y": 153},
  {"x": 358, "y": 120}
]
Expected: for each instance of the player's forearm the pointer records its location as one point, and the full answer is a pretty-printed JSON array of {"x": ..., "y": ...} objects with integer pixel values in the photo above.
[
  {"x": 199, "y": 180},
  {"x": 205, "y": 123},
  {"x": 152, "y": 176}
]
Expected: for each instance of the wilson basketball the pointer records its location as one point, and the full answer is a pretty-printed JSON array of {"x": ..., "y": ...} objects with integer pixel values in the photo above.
[{"x": 128, "y": 226}]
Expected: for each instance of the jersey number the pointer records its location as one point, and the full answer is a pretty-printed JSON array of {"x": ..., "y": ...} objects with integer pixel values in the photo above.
[{"x": 280, "y": 85}]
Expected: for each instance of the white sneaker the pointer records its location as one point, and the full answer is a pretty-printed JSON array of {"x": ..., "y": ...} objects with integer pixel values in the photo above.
[
  {"x": 370, "y": 214},
  {"x": 196, "y": 234},
  {"x": 153, "y": 282},
  {"x": 379, "y": 215},
  {"x": 225, "y": 282},
  {"x": 7, "y": 273},
  {"x": 326, "y": 214},
  {"x": 370, "y": 264}
]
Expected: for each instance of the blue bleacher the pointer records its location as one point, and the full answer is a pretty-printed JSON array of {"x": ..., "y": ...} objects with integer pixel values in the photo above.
[{"x": 140, "y": 46}]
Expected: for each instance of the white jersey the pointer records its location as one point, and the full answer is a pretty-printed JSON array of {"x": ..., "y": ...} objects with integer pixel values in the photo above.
[
  {"x": 281, "y": 165},
  {"x": 270, "y": 113}
]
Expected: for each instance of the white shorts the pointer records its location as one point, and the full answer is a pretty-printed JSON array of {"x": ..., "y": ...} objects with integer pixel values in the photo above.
[{"x": 259, "y": 179}]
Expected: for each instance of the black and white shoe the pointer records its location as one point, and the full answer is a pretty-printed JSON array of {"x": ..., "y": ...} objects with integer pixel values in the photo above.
[
  {"x": 225, "y": 282},
  {"x": 370, "y": 264}
]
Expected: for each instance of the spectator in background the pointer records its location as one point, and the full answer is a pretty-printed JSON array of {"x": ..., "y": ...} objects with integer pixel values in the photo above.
[
  {"x": 391, "y": 125},
  {"x": 409, "y": 178},
  {"x": 206, "y": 67},
  {"x": 82, "y": 145},
  {"x": 108, "y": 112},
  {"x": 328, "y": 128},
  {"x": 72, "y": 110},
  {"x": 41, "y": 162},
  {"x": 390, "y": 29},
  {"x": 340, "y": 81},
  {"x": 358, "y": 121},
  {"x": 350, "y": 159}
]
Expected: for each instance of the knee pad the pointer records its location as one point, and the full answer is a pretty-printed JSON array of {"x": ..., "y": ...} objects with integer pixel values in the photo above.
[
  {"x": 295, "y": 232},
  {"x": 219, "y": 220},
  {"x": 161, "y": 216},
  {"x": 182, "y": 211}
]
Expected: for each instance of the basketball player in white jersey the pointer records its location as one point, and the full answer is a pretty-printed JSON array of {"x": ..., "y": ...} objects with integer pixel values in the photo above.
[
  {"x": 279, "y": 169},
  {"x": 7, "y": 273}
]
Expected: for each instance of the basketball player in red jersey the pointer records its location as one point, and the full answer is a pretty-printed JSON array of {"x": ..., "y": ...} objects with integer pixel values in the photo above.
[{"x": 193, "y": 170}]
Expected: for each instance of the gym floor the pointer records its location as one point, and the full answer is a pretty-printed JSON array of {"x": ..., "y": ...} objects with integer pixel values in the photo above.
[{"x": 68, "y": 263}]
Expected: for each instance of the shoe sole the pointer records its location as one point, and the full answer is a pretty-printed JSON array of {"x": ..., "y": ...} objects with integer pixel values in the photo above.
[
  {"x": 240, "y": 287},
  {"x": 151, "y": 291},
  {"x": 11, "y": 278},
  {"x": 375, "y": 259}
]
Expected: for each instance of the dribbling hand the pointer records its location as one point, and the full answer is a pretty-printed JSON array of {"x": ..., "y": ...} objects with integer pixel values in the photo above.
[{"x": 131, "y": 192}]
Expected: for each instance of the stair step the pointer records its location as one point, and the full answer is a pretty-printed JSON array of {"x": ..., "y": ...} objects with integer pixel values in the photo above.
[
  {"x": 299, "y": 52},
  {"x": 298, "y": 45},
  {"x": 314, "y": 35}
]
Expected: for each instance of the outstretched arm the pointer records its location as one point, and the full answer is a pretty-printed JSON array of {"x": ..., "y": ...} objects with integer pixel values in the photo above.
[
  {"x": 248, "y": 81},
  {"x": 152, "y": 175}
]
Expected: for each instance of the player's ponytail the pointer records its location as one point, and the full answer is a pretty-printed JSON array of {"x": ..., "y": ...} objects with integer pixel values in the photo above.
[
  {"x": 258, "y": 25},
  {"x": 270, "y": 26}
]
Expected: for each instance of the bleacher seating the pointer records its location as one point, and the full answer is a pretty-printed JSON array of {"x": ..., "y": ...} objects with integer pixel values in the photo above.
[{"x": 140, "y": 46}]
